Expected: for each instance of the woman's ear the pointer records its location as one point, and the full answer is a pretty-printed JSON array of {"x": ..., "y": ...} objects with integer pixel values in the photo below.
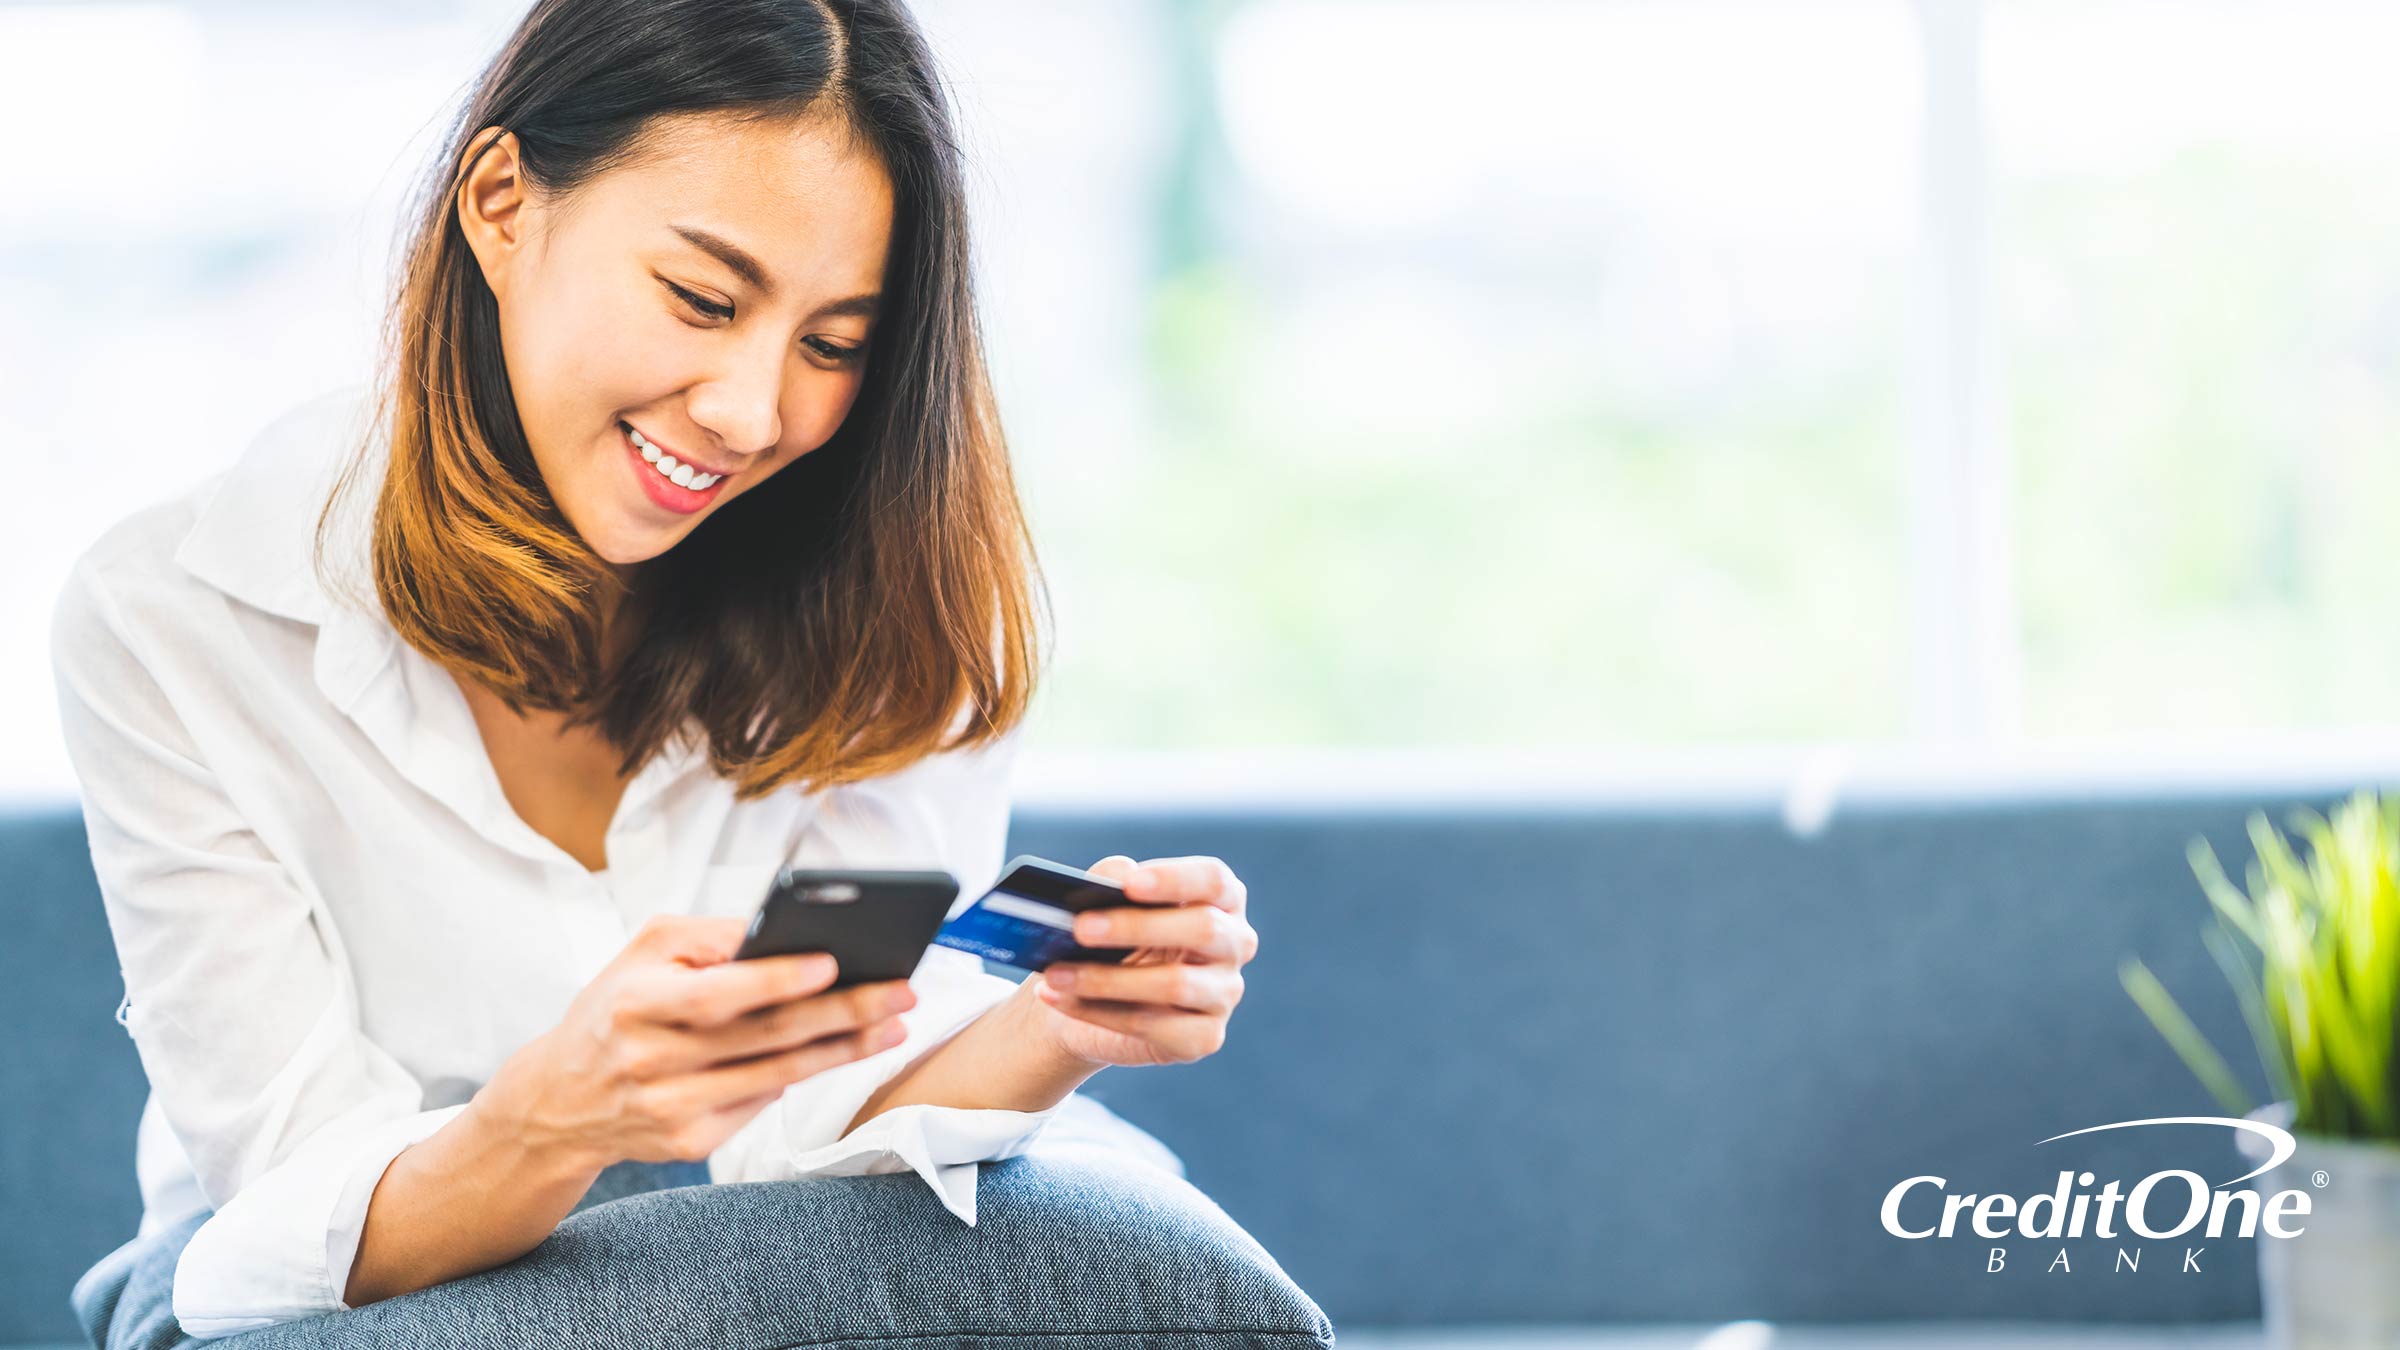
[{"x": 491, "y": 199}]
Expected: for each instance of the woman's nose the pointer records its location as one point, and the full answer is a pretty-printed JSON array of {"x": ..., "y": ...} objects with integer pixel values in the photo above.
[{"x": 742, "y": 410}]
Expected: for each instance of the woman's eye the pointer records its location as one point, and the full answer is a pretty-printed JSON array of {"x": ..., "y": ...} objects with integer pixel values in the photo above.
[
  {"x": 707, "y": 307},
  {"x": 713, "y": 310}
]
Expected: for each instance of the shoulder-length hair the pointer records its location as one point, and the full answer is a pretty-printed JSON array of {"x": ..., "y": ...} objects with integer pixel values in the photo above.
[{"x": 839, "y": 621}]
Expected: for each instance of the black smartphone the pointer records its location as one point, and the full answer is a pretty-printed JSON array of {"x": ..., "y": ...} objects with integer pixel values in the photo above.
[
  {"x": 1027, "y": 919},
  {"x": 876, "y": 922}
]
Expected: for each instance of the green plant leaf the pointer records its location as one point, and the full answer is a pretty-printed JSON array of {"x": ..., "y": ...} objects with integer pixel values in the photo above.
[
  {"x": 2218, "y": 938},
  {"x": 2221, "y": 892},
  {"x": 2198, "y": 1055},
  {"x": 2323, "y": 1006}
]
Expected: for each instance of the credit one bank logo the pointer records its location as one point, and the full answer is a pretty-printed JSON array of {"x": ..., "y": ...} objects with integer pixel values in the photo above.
[{"x": 1923, "y": 1207}]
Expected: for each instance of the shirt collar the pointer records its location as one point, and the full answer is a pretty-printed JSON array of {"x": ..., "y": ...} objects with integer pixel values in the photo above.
[
  {"x": 254, "y": 538},
  {"x": 255, "y": 534}
]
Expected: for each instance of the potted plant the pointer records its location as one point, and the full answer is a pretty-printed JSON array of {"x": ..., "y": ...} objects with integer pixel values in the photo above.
[{"x": 2320, "y": 1005}]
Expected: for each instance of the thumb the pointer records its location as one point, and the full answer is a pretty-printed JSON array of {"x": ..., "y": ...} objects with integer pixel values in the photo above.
[
  {"x": 701, "y": 939},
  {"x": 1113, "y": 867}
]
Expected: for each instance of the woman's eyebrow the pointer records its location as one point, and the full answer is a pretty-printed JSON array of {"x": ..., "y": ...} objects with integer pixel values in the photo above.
[
  {"x": 748, "y": 269},
  {"x": 729, "y": 253},
  {"x": 856, "y": 306}
]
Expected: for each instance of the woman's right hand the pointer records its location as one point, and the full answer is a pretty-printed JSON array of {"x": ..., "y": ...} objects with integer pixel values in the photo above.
[{"x": 675, "y": 1045}]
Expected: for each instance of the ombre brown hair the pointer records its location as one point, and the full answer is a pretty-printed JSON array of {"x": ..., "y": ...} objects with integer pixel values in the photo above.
[{"x": 870, "y": 603}]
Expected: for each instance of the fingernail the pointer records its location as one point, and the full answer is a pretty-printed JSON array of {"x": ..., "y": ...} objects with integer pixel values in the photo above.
[
  {"x": 1062, "y": 979},
  {"x": 1140, "y": 876},
  {"x": 1094, "y": 926}
]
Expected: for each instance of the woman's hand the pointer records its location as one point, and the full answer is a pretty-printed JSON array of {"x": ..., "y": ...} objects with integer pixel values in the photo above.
[
  {"x": 1169, "y": 1001},
  {"x": 675, "y": 1045}
]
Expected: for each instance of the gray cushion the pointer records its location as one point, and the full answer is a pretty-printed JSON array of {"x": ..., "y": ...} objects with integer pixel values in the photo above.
[{"x": 1071, "y": 1240}]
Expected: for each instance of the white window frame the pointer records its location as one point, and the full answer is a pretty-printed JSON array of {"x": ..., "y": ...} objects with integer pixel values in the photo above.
[{"x": 1964, "y": 626}]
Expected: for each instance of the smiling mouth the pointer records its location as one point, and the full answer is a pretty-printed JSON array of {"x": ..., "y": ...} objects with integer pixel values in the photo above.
[
  {"x": 671, "y": 485},
  {"x": 681, "y": 474}
]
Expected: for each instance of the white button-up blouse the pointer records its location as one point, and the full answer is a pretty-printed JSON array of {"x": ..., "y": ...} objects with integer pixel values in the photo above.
[{"x": 333, "y": 927}]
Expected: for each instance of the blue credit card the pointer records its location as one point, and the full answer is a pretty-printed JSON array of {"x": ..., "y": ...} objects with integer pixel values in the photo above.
[{"x": 1020, "y": 923}]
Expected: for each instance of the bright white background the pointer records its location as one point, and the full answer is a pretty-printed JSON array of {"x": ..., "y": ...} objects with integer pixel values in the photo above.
[{"x": 1453, "y": 392}]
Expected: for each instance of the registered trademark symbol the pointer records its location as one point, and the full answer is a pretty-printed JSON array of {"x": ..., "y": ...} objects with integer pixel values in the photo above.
[{"x": 2318, "y": 1179}]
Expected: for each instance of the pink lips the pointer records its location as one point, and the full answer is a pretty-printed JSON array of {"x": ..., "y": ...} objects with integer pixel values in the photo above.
[{"x": 681, "y": 500}]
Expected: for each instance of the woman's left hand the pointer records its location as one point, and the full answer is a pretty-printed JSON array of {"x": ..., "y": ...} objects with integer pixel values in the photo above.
[{"x": 1168, "y": 1002}]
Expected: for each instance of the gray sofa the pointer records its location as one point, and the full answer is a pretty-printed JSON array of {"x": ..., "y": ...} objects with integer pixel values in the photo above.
[{"x": 1595, "y": 1061}]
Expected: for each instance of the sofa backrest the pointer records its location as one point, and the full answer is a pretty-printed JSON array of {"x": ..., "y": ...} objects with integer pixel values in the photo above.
[
  {"x": 1564, "y": 1062},
  {"x": 1609, "y": 1061}
]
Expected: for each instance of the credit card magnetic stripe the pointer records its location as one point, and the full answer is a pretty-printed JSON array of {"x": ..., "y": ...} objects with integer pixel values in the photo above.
[{"x": 1019, "y": 932}]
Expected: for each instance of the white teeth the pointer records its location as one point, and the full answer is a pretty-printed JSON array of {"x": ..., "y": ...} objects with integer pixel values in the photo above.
[{"x": 682, "y": 475}]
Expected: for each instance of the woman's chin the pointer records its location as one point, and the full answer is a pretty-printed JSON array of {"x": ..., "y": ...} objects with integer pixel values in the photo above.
[
  {"x": 634, "y": 557},
  {"x": 629, "y": 543},
  {"x": 624, "y": 533}
]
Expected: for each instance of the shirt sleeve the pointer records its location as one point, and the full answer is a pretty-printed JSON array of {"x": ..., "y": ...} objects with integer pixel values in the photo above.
[
  {"x": 238, "y": 996},
  {"x": 949, "y": 810}
]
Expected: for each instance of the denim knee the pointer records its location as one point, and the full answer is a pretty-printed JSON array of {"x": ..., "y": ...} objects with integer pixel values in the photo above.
[{"x": 1074, "y": 1241}]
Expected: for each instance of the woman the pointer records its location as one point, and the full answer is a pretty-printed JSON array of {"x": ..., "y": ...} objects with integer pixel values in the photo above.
[{"x": 428, "y": 817}]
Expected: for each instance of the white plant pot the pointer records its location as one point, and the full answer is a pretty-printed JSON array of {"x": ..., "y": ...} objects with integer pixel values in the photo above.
[{"x": 2336, "y": 1286}]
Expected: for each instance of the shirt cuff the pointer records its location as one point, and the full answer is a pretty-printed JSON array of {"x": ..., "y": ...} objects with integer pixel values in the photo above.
[
  {"x": 806, "y": 1132},
  {"x": 943, "y": 1144},
  {"x": 282, "y": 1248}
]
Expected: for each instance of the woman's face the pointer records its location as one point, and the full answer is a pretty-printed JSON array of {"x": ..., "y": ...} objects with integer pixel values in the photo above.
[{"x": 774, "y": 233}]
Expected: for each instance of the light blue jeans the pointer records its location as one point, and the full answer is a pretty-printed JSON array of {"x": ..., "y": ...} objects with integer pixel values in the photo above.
[{"x": 1076, "y": 1243}]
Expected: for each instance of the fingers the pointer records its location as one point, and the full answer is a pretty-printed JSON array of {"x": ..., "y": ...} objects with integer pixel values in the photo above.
[
  {"x": 1177, "y": 881},
  {"x": 1217, "y": 934},
  {"x": 1203, "y": 989},
  {"x": 720, "y": 1086},
  {"x": 748, "y": 1106},
  {"x": 784, "y": 1026},
  {"x": 713, "y": 995},
  {"x": 1175, "y": 1034}
]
